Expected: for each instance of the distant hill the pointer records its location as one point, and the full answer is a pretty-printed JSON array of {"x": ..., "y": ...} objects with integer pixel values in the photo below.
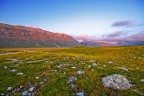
[
  {"x": 95, "y": 43},
  {"x": 21, "y": 36},
  {"x": 104, "y": 43}
]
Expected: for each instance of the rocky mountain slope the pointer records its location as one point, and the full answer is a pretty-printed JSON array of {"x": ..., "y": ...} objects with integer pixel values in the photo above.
[{"x": 21, "y": 36}]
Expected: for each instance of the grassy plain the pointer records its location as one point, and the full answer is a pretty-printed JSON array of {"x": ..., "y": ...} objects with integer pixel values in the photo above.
[{"x": 48, "y": 70}]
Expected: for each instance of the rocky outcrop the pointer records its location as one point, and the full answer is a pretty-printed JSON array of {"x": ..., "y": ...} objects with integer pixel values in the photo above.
[{"x": 21, "y": 36}]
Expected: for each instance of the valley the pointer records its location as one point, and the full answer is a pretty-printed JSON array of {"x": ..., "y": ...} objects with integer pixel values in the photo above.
[{"x": 76, "y": 71}]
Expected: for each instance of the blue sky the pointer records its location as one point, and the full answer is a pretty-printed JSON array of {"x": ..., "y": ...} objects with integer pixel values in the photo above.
[{"x": 80, "y": 18}]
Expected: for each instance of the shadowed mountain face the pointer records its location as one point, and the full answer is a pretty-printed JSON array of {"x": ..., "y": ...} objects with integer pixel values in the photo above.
[{"x": 20, "y": 36}]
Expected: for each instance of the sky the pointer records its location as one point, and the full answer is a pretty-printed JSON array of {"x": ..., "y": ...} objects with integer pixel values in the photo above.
[{"x": 82, "y": 19}]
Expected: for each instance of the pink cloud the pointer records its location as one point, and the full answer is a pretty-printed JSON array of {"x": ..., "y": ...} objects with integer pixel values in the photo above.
[
  {"x": 116, "y": 34},
  {"x": 139, "y": 37}
]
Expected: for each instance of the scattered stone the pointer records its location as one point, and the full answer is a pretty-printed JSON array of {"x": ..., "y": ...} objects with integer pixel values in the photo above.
[
  {"x": 64, "y": 72},
  {"x": 2, "y": 94},
  {"x": 5, "y": 67},
  {"x": 142, "y": 80},
  {"x": 72, "y": 79},
  {"x": 13, "y": 70},
  {"x": 54, "y": 70},
  {"x": 110, "y": 62},
  {"x": 72, "y": 85},
  {"x": 92, "y": 60},
  {"x": 37, "y": 77},
  {"x": 62, "y": 65},
  {"x": 80, "y": 72},
  {"x": 41, "y": 83},
  {"x": 25, "y": 93},
  {"x": 31, "y": 89},
  {"x": 80, "y": 94},
  {"x": 123, "y": 68},
  {"x": 94, "y": 64},
  {"x": 89, "y": 66},
  {"x": 16, "y": 65},
  {"x": 45, "y": 80},
  {"x": 9, "y": 88},
  {"x": 21, "y": 86},
  {"x": 104, "y": 66},
  {"x": 59, "y": 66},
  {"x": 13, "y": 60},
  {"x": 20, "y": 73},
  {"x": 116, "y": 81},
  {"x": 83, "y": 63},
  {"x": 73, "y": 67}
]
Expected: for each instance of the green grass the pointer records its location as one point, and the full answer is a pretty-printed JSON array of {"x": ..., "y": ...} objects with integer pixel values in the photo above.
[{"x": 53, "y": 66}]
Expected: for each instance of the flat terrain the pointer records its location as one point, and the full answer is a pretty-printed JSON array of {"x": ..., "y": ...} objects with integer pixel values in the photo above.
[{"x": 70, "y": 71}]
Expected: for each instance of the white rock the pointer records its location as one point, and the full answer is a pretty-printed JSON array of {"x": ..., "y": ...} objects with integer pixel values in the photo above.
[
  {"x": 20, "y": 73},
  {"x": 37, "y": 77},
  {"x": 73, "y": 67},
  {"x": 2, "y": 94},
  {"x": 59, "y": 66},
  {"x": 31, "y": 89},
  {"x": 142, "y": 80},
  {"x": 41, "y": 83},
  {"x": 123, "y": 68},
  {"x": 64, "y": 72},
  {"x": 21, "y": 86},
  {"x": 94, "y": 65},
  {"x": 72, "y": 79},
  {"x": 80, "y": 94},
  {"x": 89, "y": 66},
  {"x": 116, "y": 81},
  {"x": 72, "y": 85},
  {"x": 25, "y": 93},
  {"x": 16, "y": 65},
  {"x": 110, "y": 62},
  {"x": 104, "y": 66},
  {"x": 9, "y": 88},
  {"x": 80, "y": 72},
  {"x": 54, "y": 70},
  {"x": 13, "y": 70},
  {"x": 45, "y": 80},
  {"x": 5, "y": 67}
]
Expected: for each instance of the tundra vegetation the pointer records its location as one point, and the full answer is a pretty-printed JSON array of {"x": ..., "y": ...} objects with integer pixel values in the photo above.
[{"x": 77, "y": 71}]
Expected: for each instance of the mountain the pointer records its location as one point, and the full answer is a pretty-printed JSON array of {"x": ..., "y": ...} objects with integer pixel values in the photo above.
[
  {"x": 96, "y": 43},
  {"x": 132, "y": 43},
  {"x": 111, "y": 43},
  {"x": 21, "y": 36}
]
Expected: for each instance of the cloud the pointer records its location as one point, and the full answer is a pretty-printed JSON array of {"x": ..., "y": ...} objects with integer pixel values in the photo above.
[
  {"x": 136, "y": 37},
  {"x": 116, "y": 34},
  {"x": 81, "y": 37},
  {"x": 139, "y": 37},
  {"x": 127, "y": 23}
]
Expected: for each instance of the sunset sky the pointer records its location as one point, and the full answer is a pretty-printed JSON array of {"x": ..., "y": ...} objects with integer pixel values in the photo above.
[{"x": 82, "y": 19}]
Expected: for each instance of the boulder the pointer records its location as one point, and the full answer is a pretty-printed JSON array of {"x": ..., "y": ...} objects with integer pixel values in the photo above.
[{"x": 116, "y": 81}]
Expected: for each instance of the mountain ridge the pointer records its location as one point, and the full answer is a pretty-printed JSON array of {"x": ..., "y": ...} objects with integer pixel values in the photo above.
[
  {"x": 110, "y": 43},
  {"x": 22, "y": 36}
]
